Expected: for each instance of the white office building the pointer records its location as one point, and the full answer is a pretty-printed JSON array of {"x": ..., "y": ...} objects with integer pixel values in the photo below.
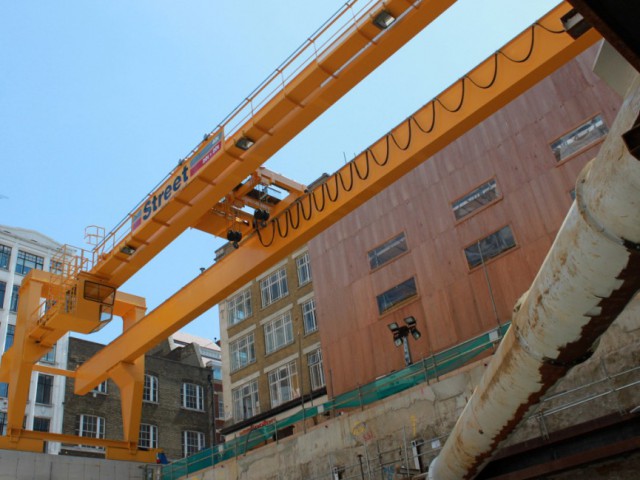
[{"x": 20, "y": 251}]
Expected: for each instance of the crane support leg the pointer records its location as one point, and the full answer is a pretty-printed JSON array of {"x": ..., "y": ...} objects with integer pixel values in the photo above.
[
  {"x": 26, "y": 352},
  {"x": 130, "y": 380}
]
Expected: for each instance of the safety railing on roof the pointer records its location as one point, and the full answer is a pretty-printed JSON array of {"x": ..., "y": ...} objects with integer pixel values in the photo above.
[
  {"x": 319, "y": 44},
  {"x": 427, "y": 369}
]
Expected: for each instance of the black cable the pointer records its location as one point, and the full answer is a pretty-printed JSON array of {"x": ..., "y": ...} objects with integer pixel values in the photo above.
[{"x": 363, "y": 171}]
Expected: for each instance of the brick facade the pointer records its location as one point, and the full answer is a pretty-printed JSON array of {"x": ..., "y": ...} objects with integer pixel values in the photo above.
[{"x": 172, "y": 368}]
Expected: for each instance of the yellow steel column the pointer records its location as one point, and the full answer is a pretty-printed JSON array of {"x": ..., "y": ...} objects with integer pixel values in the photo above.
[
  {"x": 25, "y": 353},
  {"x": 129, "y": 376}
]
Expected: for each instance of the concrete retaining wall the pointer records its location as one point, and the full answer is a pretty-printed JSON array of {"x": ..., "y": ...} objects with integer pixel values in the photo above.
[
  {"x": 40, "y": 466},
  {"x": 382, "y": 433}
]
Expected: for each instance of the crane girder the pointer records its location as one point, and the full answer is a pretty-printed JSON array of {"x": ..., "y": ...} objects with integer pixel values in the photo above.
[
  {"x": 516, "y": 67},
  {"x": 184, "y": 198}
]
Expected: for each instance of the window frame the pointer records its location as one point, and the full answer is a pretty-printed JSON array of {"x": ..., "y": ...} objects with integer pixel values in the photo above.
[
  {"x": 5, "y": 256},
  {"x": 248, "y": 390},
  {"x": 44, "y": 389},
  {"x": 307, "y": 313},
  {"x": 10, "y": 333},
  {"x": 276, "y": 385},
  {"x": 3, "y": 293},
  {"x": 199, "y": 444},
  {"x": 102, "y": 388},
  {"x": 15, "y": 298},
  {"x": 50, "y": 356},
  {"x": 150, "y": 389},
  {"x": 100, "y": 425},
  {"x": 196, "y": 398},
  {"x": 33, "y": 424},
  {"x": 267, "y": 284},
  {"x": 3, "y": 423},
  {"x": 23, "y": 262},
  {"x": 219, "y": 406},
  {"x": 303, "y": 265},
  {"x": 235, "y": 350},
  {"x": 316, "y": 365},
  {"x": 494, "y": 257},
  {"x": 481, "y": 208},
  {"x": 574, "y": 130},
  {"x": 244, "y": 298},
  {"x": 273, "y": 329},
  {"x": 150, "y": 437},
  {"x": 403, "y": 301},
  {"x": 387, "y": 245}
]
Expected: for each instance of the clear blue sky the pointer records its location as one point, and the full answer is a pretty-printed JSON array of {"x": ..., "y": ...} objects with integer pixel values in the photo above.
[{"x": 99, "y": 99}]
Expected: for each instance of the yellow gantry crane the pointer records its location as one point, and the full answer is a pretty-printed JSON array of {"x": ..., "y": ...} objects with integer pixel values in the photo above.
[{"x": 211, "y": 187}]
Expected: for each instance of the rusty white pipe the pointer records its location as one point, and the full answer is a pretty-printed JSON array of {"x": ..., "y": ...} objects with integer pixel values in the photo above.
[{"x": 590, "y": 274}]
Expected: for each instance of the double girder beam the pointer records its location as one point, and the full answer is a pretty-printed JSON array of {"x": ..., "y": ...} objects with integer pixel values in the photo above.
[
  {"x": 447, "y": 117},
  {"x": 184, "y": 202}
]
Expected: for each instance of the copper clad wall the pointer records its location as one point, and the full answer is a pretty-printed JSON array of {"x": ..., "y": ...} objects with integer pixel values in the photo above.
[{"x": 453, "y": 302}]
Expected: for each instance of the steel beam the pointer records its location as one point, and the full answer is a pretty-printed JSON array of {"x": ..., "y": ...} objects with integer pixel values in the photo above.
[{"x": 442, "y": 123}]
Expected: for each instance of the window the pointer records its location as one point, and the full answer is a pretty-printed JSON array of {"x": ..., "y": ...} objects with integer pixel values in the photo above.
[
  {"x": 192, "y": 396},
  {"x": 220, "y": 409},
  {"x": 3, "y": 290},
  {"x": 472, "y": 201},
  {"x": 309, "y": 316},
  {"x": 28, "y": 261},
  {"x": 41, "y": 424},
  {"x": 91, "y": 426},
  {"x": 245, "y": 401},
  {"x": 4, "y": 389},
  {"x": 150, "y": 391},
  {"x": 5, "y": 256},
  {"x": 396, "y": 295},
  {"x": 387, "y": 251},
  {"x": 278, "y": 333},
  {"x": 283, "y": 384},
  {"x": 15, "y": 294},
  {"x": 239, "y": 307},
  {"x": 274, "y": 287},
  {"x": 243, "y": 352},
  {"x": 8, "y": 341},
  {"x": 44, "y": 389},
  {"x": 50, "y": 356},
  {"x": 579, "y": 138},
  {"x": 217, "y": 373},
  {"x": 316, "y": 373},
  {"x": 304, "y": 269},
  {"x": 192, "y": 442},
  {"x": 148, "y": 436},
  {"x": 102, "y": 388},
  {"x": 490, "y": 247},
  {"x": 3, "y": 423}
]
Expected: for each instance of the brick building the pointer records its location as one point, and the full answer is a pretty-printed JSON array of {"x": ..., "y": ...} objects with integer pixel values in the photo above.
[
  {"x": 176, "y": 409},
  {"x": 272, "y": 363}
]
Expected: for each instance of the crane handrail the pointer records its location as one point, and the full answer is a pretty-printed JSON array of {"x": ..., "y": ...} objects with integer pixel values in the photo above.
[{"x": 317, "y": 45}]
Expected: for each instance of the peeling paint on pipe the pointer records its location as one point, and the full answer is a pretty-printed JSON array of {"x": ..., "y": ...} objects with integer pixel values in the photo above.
[{"x": 590, "y": 274}]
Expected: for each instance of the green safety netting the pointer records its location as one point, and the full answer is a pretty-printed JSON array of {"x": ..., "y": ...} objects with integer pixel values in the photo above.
[{"x": 425, "y": 370}]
